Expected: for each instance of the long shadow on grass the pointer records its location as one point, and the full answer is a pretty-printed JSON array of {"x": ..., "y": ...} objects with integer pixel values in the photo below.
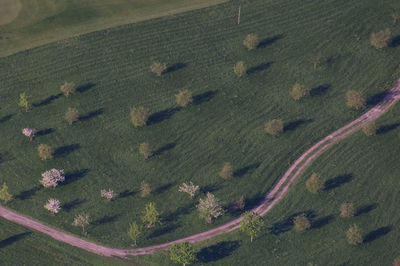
[
  {"x": 338, "y": 181},
  {"x": 160, "y": 116},
  {"x": 163, "y": 188},
  {"x": 8, "y": 241},
  {"x": 164, "y": 148},
  {"x": 387, "y": 128},
  {"x": 74, "y": 176},
  {"x": 395, "y": 41},
  {"x": 365, "y": 209},
  {"x": 44, "y": 132},
  {"x": 376, "y": 98},
  {"x": 204, "y": 97},
  {"x": 85, "y": 87},
  {"x": 371, "y": 236},
  {"x": 6, "y": 118},
  {"x": 296, "y": 124},
  {"x": 320, "y": 90},
  {"x": 270, "y": 40},
  {"x": 65, "y": 150},
  {"x": 163, "y": 230},
  {"x": 72, "y": 204},
  {"x": 249, "y": 168},
  {"x": 211, "y": 188},
  {"x": 318, "y": 223},
  {"x": 183, "y": 210},
  {"x": 26, "y": 194},
  {"x": 126, "y": 193},
  {"x": 258, "y": 68},
  {"x": 91, "y": 114},
  {"x": 175, "y": 67},
  {"x": 107, "y": 219},
  {"x": 250, "y": 203},
  {"x": 287, "y": 224},
  {"x": 217, "y": 251},
  {"x": 48, "y": 100}
]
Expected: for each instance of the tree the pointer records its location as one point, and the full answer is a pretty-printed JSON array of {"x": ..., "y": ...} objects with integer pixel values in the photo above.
[
  {"x": 145, "y": 189},
  {"x": 139, "y": 116},
  {"x": 182, "y": 252},
  {"x": 237, "y": 204},
  {"x": 134, "y": 231},
  {"x": 316, "y": 60},
  {"x": 82, "y": 220},
  {"x": 355, "y": 100},
  {"x": 23, "y": 101},
  {"x": 68, "y": 88},
  {"x": 380, "y": 39},
  {"x": 227, "y": 171},
  {"x": 4, "y": 194},
  {"x": 395, "y": 16},
  {"x": 353, "y": 235},
  {"x": 301, "y": 223},
  {"x": 251, "y": 41},
  {"x": 29, "y": 132},
  {"x": 150, "y": 215},
  {"x": 109, "y": 195},
  {"x": 210, "y": 207},
  {"x": 184, "y": 98},
  {"x": 347, "y": 210},
  {"x": 315, "y": 184},
  {"x": 53, "y": 205},
  {"x": 240, "y": 68},
  {"x": 190, "y": 188},
  {"x": 370, "y": 129},
  {"x": 45, "y": 152},
  {"x": 251, "y": 224},
  {"x": 298, "y": 92},
  {"x": 158, "y": 68},
  {"x": 274, "y": 127},
  {"x": 145, "y": 150},
  {"x": 52, "y": 177},
  {"x": 72, "y": 115},
  {"x": 396, "y": 261}
]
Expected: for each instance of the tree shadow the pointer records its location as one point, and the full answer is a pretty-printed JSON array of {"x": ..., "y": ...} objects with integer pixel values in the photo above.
[
  {"x": 91, "y": 114},
  {"x": 371, "y": 236},
  {"x": 44, "y": 132},
  {"x": 287, "y": 224},
  {"x": 163, "y": 230},
  {"x": 107, "y": 219},
  {"x": 175, "y": 67},
  {"x": 8, "y": 241},
  {"x": 85, "y": 87},
  {"x": 48, "y": 100},
  {"x": 26, "y": 194},
  {"x": 395, "y": 42},
  {"x": 376, "y": 98},
  {"x": 387, "y": 128},
  {"x": 365, "y": 209},
  {"x": 250, "y": 203},
  {"x": 295, "y": 124},
  {"x": 217, "y": 251},
  {"x": 6, "y": 118},
  {"x": 322, "y": 221},
  {"x": 164, "y": 148},
  {"x": 249, "y": 168},
  {"x": 258, "y": 68},
  {"x": 183, "y": 210},
  {"x": 337, "y": 181},
  {"x": 160, "y": 116},
  {"x": 210, "y": 188},
  {"x": 72, "y": 204},
  {"x": 270, "y": 40},
  {"x": 126, "y": 193},
  {"x": 65, "y": 150},
  {"x": 74, "y": 176},
  {"x": 163, "y": 188},
  {"x": 320, "y": 90},
  {"x": 204, "y": 97}
]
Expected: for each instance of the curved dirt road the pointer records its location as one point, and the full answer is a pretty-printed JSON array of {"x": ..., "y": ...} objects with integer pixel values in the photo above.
[{"x": 270, "y": 200}]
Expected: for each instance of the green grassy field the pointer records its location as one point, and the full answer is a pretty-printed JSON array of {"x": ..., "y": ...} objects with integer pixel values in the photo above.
[{"x": 225, "y": 123}]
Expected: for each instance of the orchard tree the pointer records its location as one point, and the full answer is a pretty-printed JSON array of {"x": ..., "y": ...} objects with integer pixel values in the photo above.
[
  {"x": 145, "y": 189},
  {"x": 274, "y": 127},
  {"x": 189, "y": 188},
  {"x": 150, "y": 215},
  {"x": 134, "y": 232},
  {"x": 72, "y": 115},
  {"x": 29, "y": 132},
  {"x": 238, "y": 204},
  {"x": 68, "y": 88},
  {"x": 380, "y": 39},
  {"x": 52, "y": 177},
  {"x": 355, "y": 100},
  {"x": 301, "y": 223},
  {"x": 209, "y": 208},
  {"x": 240, "y": 68},
  {"x": 158, "y": 68},
  {"x": 396, "y": 261},
  {"x": 370, "y": 129},
  {"x": 24, "y": 102},
  {"x": 139, "y": 116},
  {"x": 53, "y": 206},
  {"x": 298, "y": 92},
  {"x": 182, "y": 252},
  {"x": 347, "y": 210},
  {"x": 45, "y": 152},
  {"x": 145, "y": 150},
  {"x": 227, "y": 171},
  {"x": 395, "y": 16},
  {"x": 251, "y": 41},
  {"x": 82, "y": 220},
  {"x": 107, "y": 194},
  {"x": 315, "y": 183},
  {"x": 353, "y": 235},
  {"x": 251, "y": 224},
  {"x": 184, "y": 98},
  {"x": 4, "y": 194},
  {"x": 316, "y": 60}
]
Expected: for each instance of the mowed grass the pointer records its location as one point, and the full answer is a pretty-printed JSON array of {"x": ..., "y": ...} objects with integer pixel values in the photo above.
[
  {"x": 225, "y": 124},
  {"x": 26, "y": 24}
]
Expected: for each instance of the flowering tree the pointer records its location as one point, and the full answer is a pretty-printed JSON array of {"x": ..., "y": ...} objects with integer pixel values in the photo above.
[
  {"x": 52, "y": 177},
  {"x": 82, "y": 220},
  {"x": 29, "y": 132},
  {"x": 53, "y": 205},
  {"x": 190, "y": 188},
  {"x": 109, "y": 195},
  {"x": 210, "y": 208}
]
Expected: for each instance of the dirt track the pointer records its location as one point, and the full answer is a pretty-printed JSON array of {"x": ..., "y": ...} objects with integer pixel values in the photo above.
[{"x": 270, "y": 200}]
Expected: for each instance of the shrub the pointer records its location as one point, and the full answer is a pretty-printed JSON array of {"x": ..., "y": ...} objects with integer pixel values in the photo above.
[
  {"x": 298, "y": 92},
  {"x": 45, "y": 152},
  {"x": 251, "y": 41},
  {"x": 158, "y": 68},
  {"x": 301, "y": 223},
  {"x": 240, "y": 68},
  {"x": 68, "y": 88},
  {"x": 354, "y": 236},
  {"x": 315, "y": 183},
  {"x": 355, "y": 100},
  {"x": 227, "y": 171},
  {"x": 72, "y": 115},
  {"x": 370, "y": 129},
  {"x": 347, "y": 210},
  {"x": 274, "y": 127},
  {"x": 139, "y": 116},
  {"x": 145, "y": 189},
  {"x": 145, "y": 150},
  {"x": 380, "y": 39},
  {"x": 183, "y": 98}
]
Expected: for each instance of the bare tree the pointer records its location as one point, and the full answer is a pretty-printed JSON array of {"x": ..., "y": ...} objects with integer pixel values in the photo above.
[
  {"x": 210, "y": 207},
  {"x": 301, "y": 223},
  {"x": 380, "y": 39},
  {"x": 227, "y": 171},
  {"x": 316, "y": 60},
  {"x": 370, "y": 129},
  {"x": 354, "y": 99},
  {"x": 145, "y": 150},
  {"x": 145, "y": 189},
  {"x": 190, "y": 188},
  {"x": 184, "y": 98},
  {"x": 315, "y": 183},
  {"x": 240, "y": 68},
  {"x": 68, "y": 88},
  {"x": 347, "y": 210},
  {"x": 274, "y": 127},
  {"x": 53, "y": 205},
  {"x": 251, "y": 41},
  {"x": 72, "y": 115},
  {"x": 139, "y": 116},
  {"x": 158, "y": 68},
  {"x": 298, "y": 92},
  {"x": 45, "y": 152},
  {"x": 354, "y": 236}
]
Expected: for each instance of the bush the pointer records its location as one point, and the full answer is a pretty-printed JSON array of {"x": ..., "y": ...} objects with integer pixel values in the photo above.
[
  {"x": 45, "y": 152},
  {"x": 298, "y": 92},
  {"x": 227, "y": 171},
  {"x": 315, "y": 183},
  {"x": 251, "y": 41},
  {"x": 354, "y": 236},
  {"x": 158, "y": 68},
  {"x": 183, "y": 98},
  {"x": 240, "y": 68},
  {"x": 347, "y": 210},
  {"x": 68, "y": 88},
  {"x": 72, "y": 115},
  {"x": 301, "y": 223},
  {"x": 145, "y": 150},
  {"x": 380, "y": 39},
  {"x": 139, "y": 116},
  {"x": 370, "y": 129},
  {"x": 355, "y": 100},
  {"x": 274, "y": 127}
]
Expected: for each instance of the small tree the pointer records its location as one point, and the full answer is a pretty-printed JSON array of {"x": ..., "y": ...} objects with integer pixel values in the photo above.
[
  {"x": 251, "y": 224},
  {"x": 52, "y": 177},
  {"x": 145, "y": 150},
  {"x": 190, "y": 189},
  {"x": 182, "y": 252},
  {"x": 24, "y": 102},
  {"x": 238, "y": 204},
  {"x": 395, "y": 16},
  {"x": 210, "y": 207},
  {"x": 139, "y": 116},
  {"x": 396, "y": 261},
  {"x": 158, "y": 68},
  {"x": 150, "y": 215},
  {"x": 45, "y": 152},
  {"x": 274, "y": 127},
  {"x": 72, "y": 115},
  {"x": 53, "y": 205},
  {"x": 184, "y": 98},
  {"x": 355, "y": 100},
  {"x": 298, "y": 92},
  {"x": 380, "y": 39},
  {"x": 301, "y": 223},
  {"x": 251, "y": 41},
  {"x": 227, "y": 171},
  {"x": 29, "y": 132},
  {"x": 145, "y": 189},
  {"x": 4, "y": 194},
  {"x": 134, "y": 232},
  {"x": 316, "y": 60},
  {"x": 370, "y": 129},
  {"x": 109, "y": 195},
  {"x": 354, "y": 236},
  {"x": 347, "y": 210},
  {"x": 82, "y": 220},
  {"x": 68, "y": 88},
  {"x": 315, "y": 183},
  {"x": 240, "y": 68}
]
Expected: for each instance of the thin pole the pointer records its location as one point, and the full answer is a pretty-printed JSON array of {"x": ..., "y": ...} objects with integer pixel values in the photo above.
[{"x": 238, "y": 22}]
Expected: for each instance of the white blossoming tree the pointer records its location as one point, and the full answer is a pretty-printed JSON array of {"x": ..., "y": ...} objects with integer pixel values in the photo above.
[
  {"x": 190, "y": 188},
  {"x": 52, "y": 177},
  {"x": 210, "y": 207},
  {"x": 82, "y": 220},
  {"x": 109, "y": 195},
  {"x": 29, "y": 132},
  {"x": 53, "y": 206}
]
